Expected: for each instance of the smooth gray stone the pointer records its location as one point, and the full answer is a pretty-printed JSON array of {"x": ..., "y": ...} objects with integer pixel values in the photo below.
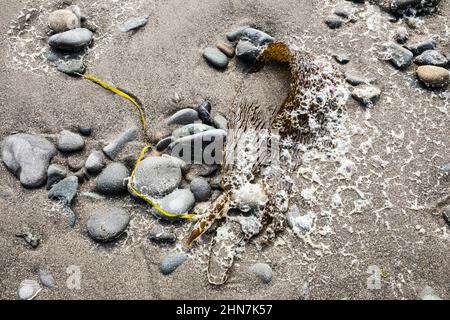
[
  {"x": 113, "y": 149},
  {"x": 184, "y": 116},
  {"x": 235, "y": 35},
  {"x": 171, "y": 262},
  {"x": 190, "y": 129},
  {"x": 46, "y": 278},
  {"x": 397, "y": 55},
  {"x": 27, "y": 157},
  {"x": 72, "y": 40},
  {"x": 64, "y": 190},
  {"x": 160, "y": 235},
  {"x": 257, "y": 37},
  {"x": 247, "y": 51},
  {"x": 204, "y": 112},
  {"x": 180, "y": 201},
  {"x": 215, "y": 57},
  {"x": 164, "y": 143},
  {"x": 263, "y": 271},
  {"x": 220, "y": 122},
  {"x": 70, "y": 142},
  {"x": 28, "y": 289},
  {"x": 134, "y": 23},
  {"x": 366, "y": 94},
  {"x": 431, "y": 57},
  {"x": 95, "y": 162},
  {"x": 157, "y": 176},
  {"x": 55, "y": 174},
  {"x": 71, "y": 67},
  {"x": 419, "y": 47},
  {"x": 334, "y": 21},
  {"x": 112, "y": 180},
  {"x": 107, "y": 224},
  {"x": 201, "y": 189}
]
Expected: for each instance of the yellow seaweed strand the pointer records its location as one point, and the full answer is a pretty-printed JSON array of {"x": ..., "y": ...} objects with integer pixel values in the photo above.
[{"x": 143, "y": 152}]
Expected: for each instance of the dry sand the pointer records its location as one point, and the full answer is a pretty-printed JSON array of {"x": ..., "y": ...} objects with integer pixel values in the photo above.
[{"x": 408, "y": 128}]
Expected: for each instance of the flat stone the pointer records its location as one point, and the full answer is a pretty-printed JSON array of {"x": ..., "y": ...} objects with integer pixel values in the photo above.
[
  {"x": 334, "y": 22},
  {"x": 247, "y": 51},
  {"x": 171, "y": 262},
  {"x": 356, "y": 79},
  {"x": 113, "y": 149},
  {"x": 70, "y": 142},
  {"x": 366, "y": 94},
  {"x": 27, "y": 157},
  {"x": 215, "y": 57},
  {"x": 419, "y": 47},
  {"x": 263, "y": 271},
  {"x": 134, "y": 23},
  {"x": 180, "y": 201},
  {"x": 184, "y": 116},
  {"x": 220, "y": 122},
  {"x": 55, "y": 174},
  {"x": 107, "y": 224},
  {"x": 342, "y": 58},
  {"x": 64, "y": 190},
  {"x": 159, "y": 234},
  {"x": 113, "y": 178},
  {"x": 201, "y": 189},
  {"x": 433, "y": 77},
  {"x": 72, "y": 40},
  {"x": 95, "y": 162},
  {"x": 28, "y": 289},
  {"x": 63, "y": 20},
  {"x": 397, "y": 55},
  {"x": 432, "y": 58}
]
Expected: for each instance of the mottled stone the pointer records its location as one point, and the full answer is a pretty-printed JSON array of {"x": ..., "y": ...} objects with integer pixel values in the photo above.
[
  {"x": 184, "y": 116},
  {"x": 366, "y": 94},
  {"x": 63, "y": 20},
  {"x": 397, "y": 55}
]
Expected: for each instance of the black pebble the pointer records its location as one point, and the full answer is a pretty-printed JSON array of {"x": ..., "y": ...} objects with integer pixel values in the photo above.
[
  {"x": 85, "y": 131},
  {"x": 204, "y": 110}
]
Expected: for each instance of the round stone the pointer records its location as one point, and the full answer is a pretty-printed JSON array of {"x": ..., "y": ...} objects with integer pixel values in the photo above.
[
  {"x": 215, "y": 57},
  {"x": 63, "y": 20},
  {"x": 171, "y": 262},
  {"x": 28, "y": 289},
  {"x": 107, "y": 224},
  {"x": 112, "y": 180},
  {"x": 70, "y": 142},
  {"x": 72, "y": 40},
  {"x": 433, "y": 76},
  {"x": 263, "y": 271},
  {"x": 157, "y": 176},
  {"x": 201, "y": 189},
  {"x": 178, "y": 202}
]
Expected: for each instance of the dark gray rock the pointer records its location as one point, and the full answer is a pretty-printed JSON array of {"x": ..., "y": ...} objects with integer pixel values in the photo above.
[
  {"x": 157, "y": 176},
  {"x": 201, "y": 189},
  {"x": 334, "y": 21},
  {"x": 112, "y": 180},
  {"x": 184, "y": 116},
  {"x": 55, "y": 174},
  {"x": 134, "y": 23},
  {"x": 171, "y": 262},
  {"x": 247, "y": 51},
  {"x": 263, "y": 271},
  {"x": 159, "y": 234},
  {"x": 215, "y": 57},
  {"x": 180, "y": 201},
  {"x": 366, "y": 94},
  {"x": 27, "y": 156},
  {"x": 107, "y": 224},
  {"x": 413, "y": 6},
  {"x": 70, "y": 142},
  {"x": 397, "y": 55},
  {"x": 236, "y": 35},
  {"x": 113, "y": 149},
  {"x": 164, "y": 143},
  {"x": 257, "y": 37},
  {"x": 342, "y": 58},
  {"x": 419, "y": 47},
  {"x": 66, "y": 190},
  {"x": 71, "y": 67},
  {"x": 46, "y": 278},
  {"x": 95, "y": 162},
  {"x": 72, "y": 40},
  {"x": 431, "y": 57},
  {"x": 204, "y": 110}
]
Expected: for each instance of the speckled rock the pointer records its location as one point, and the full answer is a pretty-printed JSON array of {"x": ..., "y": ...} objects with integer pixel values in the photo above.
[
  {"x": 72, "y": 40},
  {"x": 397, "y": 55},
  {"x": 70, "y": 142},
  {"x": 107, "y": 224},
  {"x": 112, "y": 180},
  {"x": 215, "y": 57},
  {"x": 419, "y": 47},
  {"x": 184, "y": 116},
  {"x": 63, "y": 20},
  {"x": 201, "y": 189},
  {"x": 432, "y": 58},
  {"x": 433, "y": 77},
  {"x": 171, "y": 262},
  {"x": 27, "y": 157},
  {"x": 263, "y": 271}
]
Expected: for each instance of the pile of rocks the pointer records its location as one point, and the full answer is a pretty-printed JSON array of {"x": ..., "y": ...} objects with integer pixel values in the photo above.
[{"x": 246, "y": 43}]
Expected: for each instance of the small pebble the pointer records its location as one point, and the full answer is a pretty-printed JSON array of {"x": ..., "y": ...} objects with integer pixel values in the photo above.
[
  {"x": 342, "y": 58},
  {"x": 46, "y": 278},
  {"x": 366, "y": 94},
  {"x": 70, "y": 142},
  {"x": 433, "y": 77},
  {"x": 334, "y": 22},
  {"x": 163, "y": 144},
  {"x": 419, "y": 47},
  {"x": 215, "y": 57},
  {"x": 107, "y": 224},
  {"x": 171, "y": 262},
  {"x": 247, "y": 51},
  {"x": 72, "y": 40},
  {"x": 113, "y": 178},
  {"x": 204, "y": 110},
  {"x": 75, "y": 164},
  {"x": 263, "y": 271},
  {"x": 235, "y": 35},
  {"x": 180, "y": 201},
  {"x": 184, "y": 116},
  {"x": 356, "y": 79},
  {"x": 113, "y": 149},
  {"x": 85, "y": 131},
  {"x": 95, "y": 162},
  {"x": 401, "y": 35},
  {"x": 397, "y": 55},
  {"x": 201, "y": 189},
  {"x": 134, "y": 23},
  {"x": 29, "y": 237},
  {"x": 226, "y": 49},
  {"x": 160, "y": 235}
]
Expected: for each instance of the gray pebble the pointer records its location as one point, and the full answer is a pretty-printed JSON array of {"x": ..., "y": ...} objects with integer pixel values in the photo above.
[
  {"x": 157, "y": 176},
  {"x": 27, "y": 156},
  {"x": 220, "y": 122},
  {"x": 160, "y": 235},
  {"x": 419, "y": 47},
  {"x": 31, "y": 238},
  {"x": 70, "y": 142},
  {"x": 107, "y": 224},
  {"x": 215, "y": 57},
  {"x": 113, "y": 149},
  {"x": 366, "y": 94},
  {"x": 55, "y": 173},
  {"x": 401, "y": 35},
  {"x": 263, "y": 271},
  {"x": 356, "y": 79},
  {"x": 71, "y": 67},
  {"x": 257, "y": 37},
  {"x": 112, "y": 180},
  {"x": 334, "y": 22},
  {"x": 134, "y": 23},
  {"x": 235, "y": 35},
  {"x": 201, "y": 189},
  {"x": 184, "y": 116},
  {"x": 431, "y": 57},
  {"x": 72, "y": 40},
  {"x": 397, "y": 55},
  {"x": 171, "y": 262},
  {"x": 204, "y": 110},
  {"x": 46, "y": 278},
  {"x": 216, "y": 183},
  {"x": 342, "y": 58},
  {"x": 95, "y": 162},
  {"x": 247, "y": 51},
  {"x": 63, "y": 20},
  {"x": 180, "y": 201},
  {"x": 85, "y": 131},
  {"x": 163, "y": 144},
  {"x": 28, "y": 289}
]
